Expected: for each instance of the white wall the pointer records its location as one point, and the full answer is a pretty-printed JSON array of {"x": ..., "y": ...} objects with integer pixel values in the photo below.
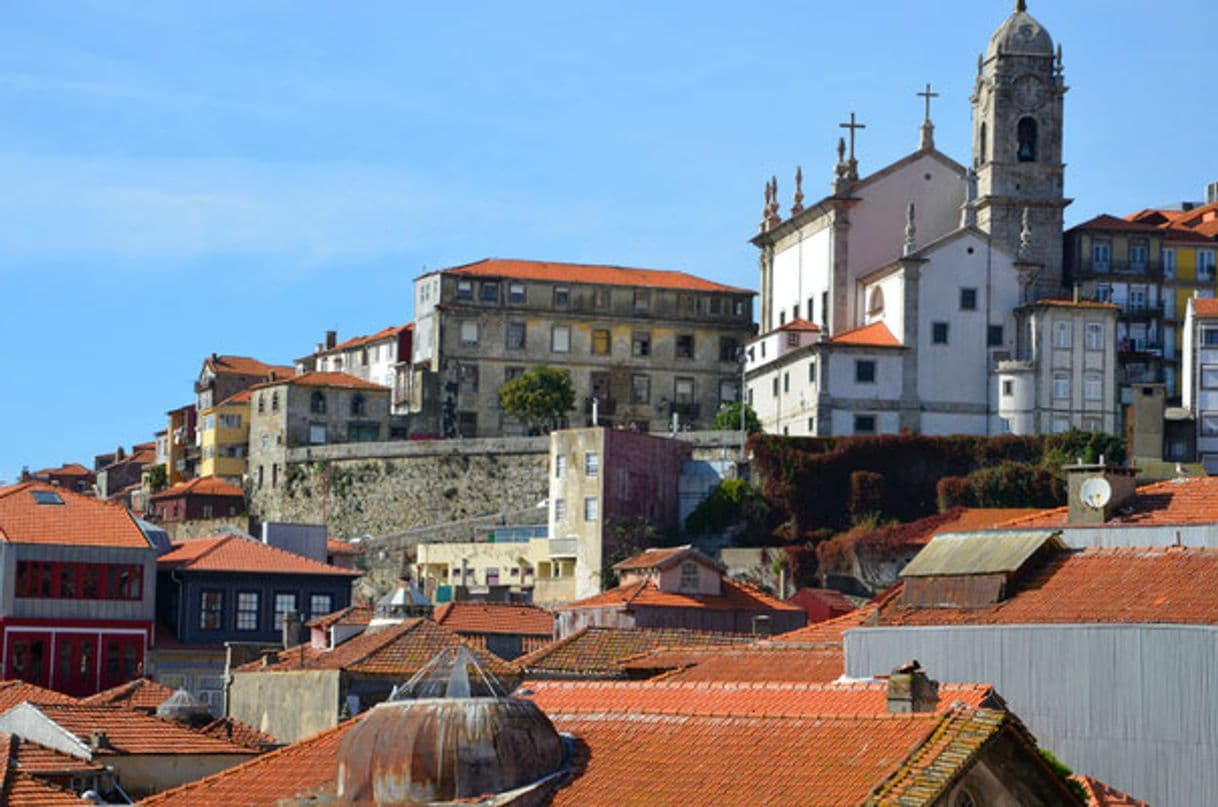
[{"x": 802, "y": 266}]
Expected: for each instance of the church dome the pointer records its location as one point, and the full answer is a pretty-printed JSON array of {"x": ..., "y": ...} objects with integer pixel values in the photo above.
[{"x": 1020, "y": 35}]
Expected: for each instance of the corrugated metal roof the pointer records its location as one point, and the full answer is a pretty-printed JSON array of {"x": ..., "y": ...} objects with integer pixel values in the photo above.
[{"x": 978, "y": 552}]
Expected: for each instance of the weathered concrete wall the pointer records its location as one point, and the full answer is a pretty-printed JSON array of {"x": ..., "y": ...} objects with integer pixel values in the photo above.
[
  {"x": 289, "y": 706},
  {"x": 146, "y": 774},
  {"x": 204, "y": 527}
]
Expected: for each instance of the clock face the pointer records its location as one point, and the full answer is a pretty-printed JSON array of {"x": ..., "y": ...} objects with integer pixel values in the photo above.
[{"x": 1029, "y": 92}]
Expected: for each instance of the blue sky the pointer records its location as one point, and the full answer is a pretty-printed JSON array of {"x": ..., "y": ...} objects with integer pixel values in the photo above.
[{"x": 181, "y": 178}]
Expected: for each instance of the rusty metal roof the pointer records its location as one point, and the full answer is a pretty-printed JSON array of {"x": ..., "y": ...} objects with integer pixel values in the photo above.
[{"x": 965, "y": 553}]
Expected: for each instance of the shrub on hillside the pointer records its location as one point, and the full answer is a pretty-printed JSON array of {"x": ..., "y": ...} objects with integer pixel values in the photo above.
[
  {"x": 1009, "y": 484},
  {"x": 733, "y": 502}
]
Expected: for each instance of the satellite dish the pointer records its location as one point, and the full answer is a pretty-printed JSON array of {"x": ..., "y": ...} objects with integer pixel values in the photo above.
[{"x": 1095, "y": 492}]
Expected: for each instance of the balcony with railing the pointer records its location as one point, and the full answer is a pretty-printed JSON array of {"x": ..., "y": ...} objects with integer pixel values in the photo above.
[
  {"x": 1136, "y": 310},
  {"x": 1129, "y": 348},
  {"x": 1135, "y": 268}
]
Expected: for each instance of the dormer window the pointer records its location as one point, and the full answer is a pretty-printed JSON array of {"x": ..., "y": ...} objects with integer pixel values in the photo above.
[{"x": 689, "y": 578}]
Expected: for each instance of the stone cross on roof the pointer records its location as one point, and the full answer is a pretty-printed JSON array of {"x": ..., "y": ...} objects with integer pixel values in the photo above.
[
  {"x": 928, "y": 128},
  {"x": 853, "y": 164}
]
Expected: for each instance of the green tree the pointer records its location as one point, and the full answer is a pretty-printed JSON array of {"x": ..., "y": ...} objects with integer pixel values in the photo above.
[
  {"x": 540, "y": 398},
  {"x": 727, "y": 419},
  {"x": 156, "y": 477}
]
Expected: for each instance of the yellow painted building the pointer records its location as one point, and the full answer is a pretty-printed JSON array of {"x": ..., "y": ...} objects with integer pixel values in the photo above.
[
  {"x": 519, "y": 557},
  {"x": 224, "y": 431}
]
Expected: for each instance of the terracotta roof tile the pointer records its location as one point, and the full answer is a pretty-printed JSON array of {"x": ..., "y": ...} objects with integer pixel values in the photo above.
[
  {"x": 830, "y": 598},
  {"x": 200, "y": 486},
  {"x": 400, "y": 650},
  {"x": 79, "y": 521},
  {"x": 832, "y": 630},
  {"x": 15, "y": 692},
  {"x": 598, "y": 652},
  {"x": 336, "y": 547},
  {"x": 242, "y": 397},
  {"x": 39, "y": 760},
  {"x": 133, "y": 732},
  {"x": 734, "y": 596},
  {"x": 356, "y": 341},
  {"x": 359, "y": 614},
  {"x": 236, "y": 553},
  {"x": 1101, "y": 795},
  {"x": 332, "y": 380},
  {"x": 874, "y": 335},
  {"x": 773, "y": 663},
  {"x": 660, "y": 558},
  {"x": 491, "y": 617},
  {"x": 233, "y": 730},
  {"x": 798, "y": 324},
  {"x": 1095, "y": 585},
  {"x": 23, "y": 790},
  {"x": 1192, "y": 500},
  {"x": 245, "y": 365},
  {"x": 1205, "y": 306},
  {"x": 267, "y": 780},
  {"x": 1109, "y": 223},
  {"x": 589, "y": 273},
  {"x": 143, "y": 694},
  {"x": 69, "y": 469}
]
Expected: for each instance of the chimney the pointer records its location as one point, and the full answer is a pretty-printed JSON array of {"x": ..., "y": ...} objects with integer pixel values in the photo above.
[
  {"x": 291, "y": 629},
  {"x": 911, "y": 690},
  {"x": 1095, "y": 502},
  {"x": 99, "y": 740},
  {"x": 331, "y": 339}
]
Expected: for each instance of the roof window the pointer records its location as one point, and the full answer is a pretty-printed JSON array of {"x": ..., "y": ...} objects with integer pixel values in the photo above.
[{"x": 46, "y": 497}]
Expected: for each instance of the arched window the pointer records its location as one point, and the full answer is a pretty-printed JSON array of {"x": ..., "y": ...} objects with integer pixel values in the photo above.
[
  {"x": 1026, "y": 132},
  {"x": 317, "y": 402},
  {"x": 357, "y": 404},
  {"x": 275, "y": 401},
  {"x": 983, "y": 145},
  {"x": 875, "y": 304}
]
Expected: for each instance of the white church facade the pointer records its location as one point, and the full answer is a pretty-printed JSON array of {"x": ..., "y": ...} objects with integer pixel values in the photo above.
[{"x": 888, "y": 305}]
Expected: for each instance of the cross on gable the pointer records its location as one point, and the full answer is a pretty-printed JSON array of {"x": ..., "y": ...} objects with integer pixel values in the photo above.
[
  {"x": 852, "y": 126},
  {"x": 927, "y": 94}
]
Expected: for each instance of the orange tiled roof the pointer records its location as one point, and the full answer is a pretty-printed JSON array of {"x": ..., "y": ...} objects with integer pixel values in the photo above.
[
  {"x": 267, "y": 780},
  {"x": 356, "y": 341},
  {"x": 200, "y": 486},
  {"x": 874, "y": 335},
  {"x": 242, "y": 397},
  {"x": 1093, "y": 586},
  {"x": 598, "y": 651},
  {"x": 1205, "y": 306},
  {"x": 1193, "y": 500},
  {"x": 798, "y": 324},
  {"x": 400, "y": 650},
  {"x": 830, "y": 598},
  {"x": 15, "y": 692},
  {"x": 493, "y": 617},
  {"x": 734, "y": 596},
  {"x": 70, "y": 469},
  {"x": 360, "y": 614},
  {"x": 336, "y": 547},
  {"x": 832, "y": 630},
  {"x": 319, "y": 379},
  {"x": 245, "y": 365},
  {"x": 20, "y": 789},
  {"x": 768, "y": 662},
  {"x": 79, "y": 521},
  {"x": 143, "y": 694},
  {"x": 728, "y": 697},
  {"x": 589, "y": 273},
  {"x": 234, "y": 731},
  {"x": 658, "y": 558},
  {"x": 133, "y": 732},
  {"x": 236, "y": 553},
  {"x": 1101, "y": 795},
  {"x": 39, "y": 760},
  {"x": 1113, "y": 224}
]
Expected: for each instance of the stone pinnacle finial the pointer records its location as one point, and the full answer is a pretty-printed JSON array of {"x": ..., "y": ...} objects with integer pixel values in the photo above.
[
  {"x": 1025, "y": 237},
  {"x": 911, "y": 230},
  {"x": 798, "y": 207},
  {"x": 765, "y": 209},
  {"x": 980, "y": 63},
  {"x": 968, "y": 211},
  {"x": 1059, "y": 67},
  {"x": 772, "y": 217},
  {"x": 841, "y": 149},
  {"x": 1021, "y": 7}
]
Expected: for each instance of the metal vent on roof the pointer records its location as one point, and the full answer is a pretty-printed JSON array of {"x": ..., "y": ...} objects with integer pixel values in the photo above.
[{"x": 46, "y": 497}]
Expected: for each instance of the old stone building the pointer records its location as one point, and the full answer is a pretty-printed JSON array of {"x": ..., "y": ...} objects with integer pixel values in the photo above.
[
  {"x": 306, "y": 410},
  {"x": 648, "y": 346}
]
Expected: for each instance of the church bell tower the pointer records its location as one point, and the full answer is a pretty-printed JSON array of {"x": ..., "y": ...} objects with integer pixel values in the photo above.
[{"x": 1017, "y": 143}]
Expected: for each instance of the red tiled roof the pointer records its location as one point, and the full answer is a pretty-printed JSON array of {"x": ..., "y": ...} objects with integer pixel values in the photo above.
[
  {"x": 728, "y": 697},
  {"x": 332, "y": 380},
  {"x": 20, "y": 789},
  {"x": 1101, "y": 795},
  {"x": 832, "y": 630},
  {"x": 734, "y": 596},
  {"x": 771, "y": 663},
  {"x": 385, "y": 333},
  {"x": 661, "y": 558},
  {"x": 143, "y": 694},
  {"x": 598, "y": 651},
  {"x": 267, "y": 780},
  {"x": 1202, "y": 235},
  {"x": 874, "y": 335},
  {"x": 79, "y": 521},
  {"x": 830, "y": 598},
  {"x": 15, "y": 692},
  {"x": 133, "y": 732},
  {"x": 1205, "y": 306},
  {"x": 360, "y": 614},
  {"x": 798, "y": 324},
  {"x": 242, "y": 397},
  {"x": 1192, "y": 500},
  {"x": 492, "y": 617},
  {"x": 336, "y": 547},
  {"x": 234, "y": 731},
  {"x": 236, "y": 553},
  {"x": 200, "y": 486},
  {"x": 38, "y": 759},
  {"x": 400, "y": 650},
  {"x": 589, "y": 273},
  {"x": 245, "y": 365},
  {"x": 1113, "y": 224},
  {"x": 1093, "y": 586},
  {"x": 70, "y": 469}
]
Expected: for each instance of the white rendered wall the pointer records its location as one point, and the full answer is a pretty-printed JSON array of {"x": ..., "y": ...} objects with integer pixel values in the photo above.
[{"x": 802, "y": 265}]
